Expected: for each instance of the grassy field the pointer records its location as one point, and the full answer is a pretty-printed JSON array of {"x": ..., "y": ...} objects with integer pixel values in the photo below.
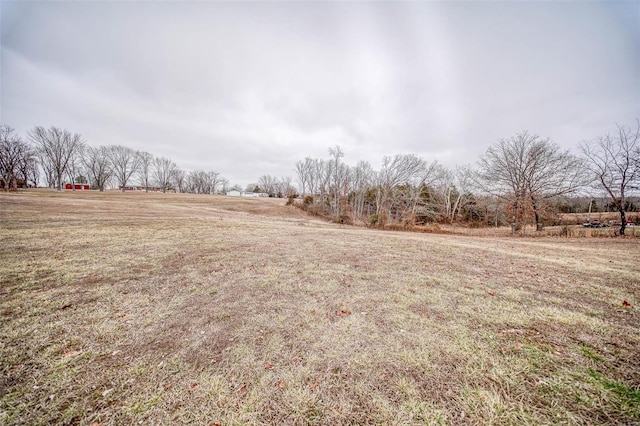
[{"x": 173, "y": 309}]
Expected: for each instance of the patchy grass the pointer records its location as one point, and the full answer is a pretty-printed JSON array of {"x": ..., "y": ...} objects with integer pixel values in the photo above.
[{"x": 173, "y": 309}]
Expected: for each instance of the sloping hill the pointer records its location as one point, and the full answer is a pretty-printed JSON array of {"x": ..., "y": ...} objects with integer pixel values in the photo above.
[{"x": 179, "y": 309}]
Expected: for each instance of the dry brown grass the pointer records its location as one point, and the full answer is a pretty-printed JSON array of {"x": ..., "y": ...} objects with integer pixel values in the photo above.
[
  {"x": 529, "y": 231},
  {"x": 174, "y": 309}
]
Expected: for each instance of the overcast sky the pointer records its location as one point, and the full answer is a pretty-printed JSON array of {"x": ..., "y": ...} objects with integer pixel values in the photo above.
[{"x": 249, "y": 88}]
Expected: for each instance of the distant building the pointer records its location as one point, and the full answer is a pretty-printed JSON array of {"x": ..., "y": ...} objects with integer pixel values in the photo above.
[
  {"x": 77, "y": 186},
  {"x": 236, "y": 193},
  {"x": 141, "y": 188}
]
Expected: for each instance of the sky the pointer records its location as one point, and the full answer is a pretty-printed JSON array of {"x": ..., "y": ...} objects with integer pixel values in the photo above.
[{"x": 249, "y": 88}]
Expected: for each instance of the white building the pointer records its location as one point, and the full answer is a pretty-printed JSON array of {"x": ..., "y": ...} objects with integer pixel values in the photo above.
[{"x": 235, "y": 193}]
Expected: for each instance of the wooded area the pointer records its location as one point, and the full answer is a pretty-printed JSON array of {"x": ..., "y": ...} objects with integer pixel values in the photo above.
[{"x": 521, "y": 180}]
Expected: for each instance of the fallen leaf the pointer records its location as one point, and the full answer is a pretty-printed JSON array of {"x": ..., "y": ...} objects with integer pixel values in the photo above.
[
  {"x": 193, "y": 387},
  {"x": 280, "y": 384},
  {"x": 314, "y": 385},
  {"x": 68, "y": 354},
  {"x": 383, "y": 376},
  {"x": 268, "y": 366},
  {"x": 343, "y": 313},
  {"x": 241, "y": 390},
  {"x": 627, "y": 304},
  {"x": 167, "y": 386}
]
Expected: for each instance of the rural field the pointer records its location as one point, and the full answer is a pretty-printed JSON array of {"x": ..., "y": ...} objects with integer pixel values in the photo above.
[{"x": 173, "y": 309}]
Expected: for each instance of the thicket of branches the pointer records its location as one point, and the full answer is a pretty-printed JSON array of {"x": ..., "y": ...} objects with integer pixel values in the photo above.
[
  {"x": 18, "y": 161},
  {"x": 521, "y": 180},
  {"x": 407, "y": 190}
]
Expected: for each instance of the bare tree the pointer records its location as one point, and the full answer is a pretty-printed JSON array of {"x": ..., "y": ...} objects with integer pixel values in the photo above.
[
  {"x": 28, "y": 166},
  {"x": 316, "y": 176},
  {"x": 396, "y": 171},
  {"x": 49, "y": 172},
  {"x": 198, "y": 182},
  {"x": 614, "y": 160},
  {"x": 145, "y": 161},
  {"x": 98, "y": 166},
  {"x": 338, "y": 175},
  {"x": 163, "y": 170},
  {"x": 303, "y": 170},
  {"x": 56, "y": 148},
  {"x": 526, "y": 170},
  {"x": 16, "y": 157},
  {"x": 457, "y": 191},
  {"x": 422, "y": 183},
  {"x": 74, "y": 168},
  {"x": 180, "y": 180},
  {"x": 214, "y": 181},
  {"x": 252, "y": 187},
  {"x": 224, "y": 185},
  {"x": 285, "y": 188},
  {"x": 552, "y": 173},
  {"x": 125, "y": 162},
  {"x": 268, "y": 184},
  {"x": 191, "y": 184},
  {"x": 322, "y": 174},
  {"x": 362, "y": 175}
]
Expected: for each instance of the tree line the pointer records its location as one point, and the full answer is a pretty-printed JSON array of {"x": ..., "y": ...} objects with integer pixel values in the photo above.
[
  {"x": 62, "y": 156},
  {"x": 524, "y": 179}
]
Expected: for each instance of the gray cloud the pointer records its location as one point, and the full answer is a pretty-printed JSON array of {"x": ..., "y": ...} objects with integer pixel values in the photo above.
[{"x": 249, "y": 88}]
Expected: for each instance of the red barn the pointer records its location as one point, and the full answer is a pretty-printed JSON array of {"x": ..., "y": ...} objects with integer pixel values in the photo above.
[{"x": 77, "y": 186}]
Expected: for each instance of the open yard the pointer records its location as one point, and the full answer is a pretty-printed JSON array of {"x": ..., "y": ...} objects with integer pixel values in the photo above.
[{"x": 173, "y": 309}]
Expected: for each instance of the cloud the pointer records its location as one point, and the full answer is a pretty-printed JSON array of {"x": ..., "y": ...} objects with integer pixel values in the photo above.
[{"x": 249, "y": 88}]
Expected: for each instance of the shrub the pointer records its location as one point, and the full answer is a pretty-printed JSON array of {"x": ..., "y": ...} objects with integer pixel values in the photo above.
[{"x": 344, "y": 219}]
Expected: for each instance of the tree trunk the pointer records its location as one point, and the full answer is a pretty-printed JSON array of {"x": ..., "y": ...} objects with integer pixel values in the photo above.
[
  {"x": 623, "y": 219},
  {"x": 536, "y": 215}
]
